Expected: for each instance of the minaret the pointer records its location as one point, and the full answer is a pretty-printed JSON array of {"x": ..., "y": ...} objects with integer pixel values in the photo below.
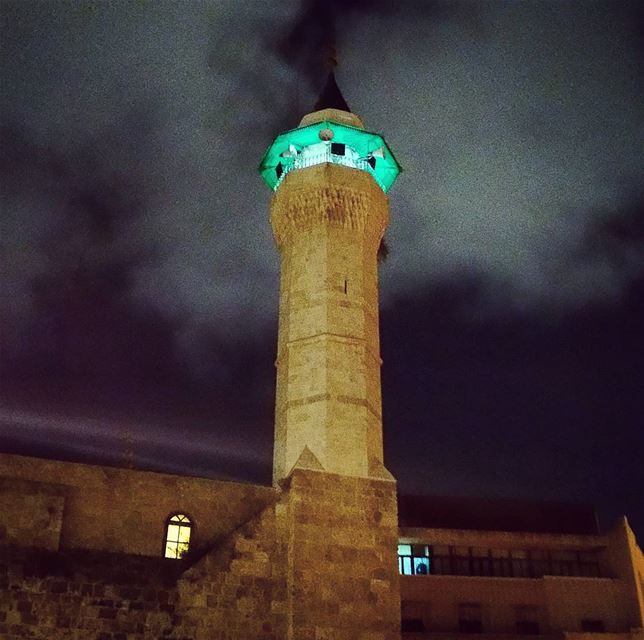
[
  {"x": 329, "y": 212},
  {"x": 337, "y": 513}
]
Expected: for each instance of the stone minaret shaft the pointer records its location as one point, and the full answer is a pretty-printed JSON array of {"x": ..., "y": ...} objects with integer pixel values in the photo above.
[{"x": 328, "y": 221}]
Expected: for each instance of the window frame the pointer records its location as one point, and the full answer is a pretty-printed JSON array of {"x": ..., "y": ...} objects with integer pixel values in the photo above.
[
  {"x": 527, "y": 620},
  {"x": 496, "y": 562},
  {"x": 190, "y": 525},
  {"x": 470, "y": 617},
  {"x": 419, "y": 554},
  {"x": 592, "y": 625},
  {"x": 415, "y": 616}
]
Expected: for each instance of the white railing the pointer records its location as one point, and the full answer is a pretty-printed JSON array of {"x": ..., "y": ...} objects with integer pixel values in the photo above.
[{"x": 310, "y": 158}]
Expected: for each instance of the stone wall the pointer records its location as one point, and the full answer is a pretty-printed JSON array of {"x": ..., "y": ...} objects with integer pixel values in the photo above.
[
  {"x": 237, "y": 592},
  {"x": 85, "y": 595},
  {"x": 318, "y": 563},
  {"x": 31, "y": 512},
  {"x": 343, "y": 581},
  {"x": 117, "y": 510}
]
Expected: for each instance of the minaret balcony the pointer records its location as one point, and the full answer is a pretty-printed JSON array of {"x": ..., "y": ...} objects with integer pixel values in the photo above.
[{"x": 329, "y": 142}]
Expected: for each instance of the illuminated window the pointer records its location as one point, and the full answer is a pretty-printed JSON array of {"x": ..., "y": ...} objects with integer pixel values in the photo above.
[
  {"x": 177, "y": 536},
  {"x": 414, "y": 559}
]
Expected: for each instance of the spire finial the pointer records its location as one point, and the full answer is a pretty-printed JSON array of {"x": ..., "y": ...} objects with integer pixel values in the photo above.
[{"x": 329, "y": 52}]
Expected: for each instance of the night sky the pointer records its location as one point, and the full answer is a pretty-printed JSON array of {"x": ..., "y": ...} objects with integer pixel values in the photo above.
[{"x": 139, "y": 279}]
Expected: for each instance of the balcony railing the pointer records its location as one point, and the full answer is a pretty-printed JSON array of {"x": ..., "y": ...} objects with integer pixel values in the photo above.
[{"x": 310, "y": 158}]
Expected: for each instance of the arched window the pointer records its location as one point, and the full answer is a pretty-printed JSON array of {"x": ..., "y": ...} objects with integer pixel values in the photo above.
[{"x": 177, "y": 535}]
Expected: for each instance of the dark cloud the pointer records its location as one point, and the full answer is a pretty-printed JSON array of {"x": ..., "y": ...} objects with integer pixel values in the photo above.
[
  {"x": 617, "y": 236},
  {"x": 519, "y": 405},
  {"x": 513, "y": 145},
  {"x": 310, "y": 42}
]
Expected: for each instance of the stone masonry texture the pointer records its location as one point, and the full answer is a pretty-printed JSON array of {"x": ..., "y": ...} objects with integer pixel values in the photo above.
[
  {"x": 342, "y": 566},
  {"x": 80, "y": 506},
  {"x": 328, "y": 221},
  {"x": 318, "y": 562}
]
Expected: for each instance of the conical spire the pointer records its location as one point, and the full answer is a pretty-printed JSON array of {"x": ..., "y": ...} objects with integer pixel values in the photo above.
[{"x": 331, "y": 96}]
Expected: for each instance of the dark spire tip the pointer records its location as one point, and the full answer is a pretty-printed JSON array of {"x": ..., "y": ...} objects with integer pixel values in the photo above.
[{"x": 331, "y": 96}]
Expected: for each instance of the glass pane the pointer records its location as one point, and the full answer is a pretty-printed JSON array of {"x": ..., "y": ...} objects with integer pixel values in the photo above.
[
  {"x": 520, "y": 568},
  {"x": 440, "y": 565},
  {"x": 462, "y": 566},
  {"x": 407, "y": 566},
  {"x": 173, "y": 532},
  {"x": 181, "y": 549},
  {"x": 184, "y": 534},
  {"x": 421, "y": 566},
  {"x": 481, "y": 566},
  {"x": 171, "y": 550},
  {"x": 404, "y": 549},
  {"x": 501, "y": 567}
]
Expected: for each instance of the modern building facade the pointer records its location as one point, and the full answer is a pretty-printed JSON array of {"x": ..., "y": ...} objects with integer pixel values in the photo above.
[
  {"x": 512, "y": 569},
  {"x": 330, "y": 551}
]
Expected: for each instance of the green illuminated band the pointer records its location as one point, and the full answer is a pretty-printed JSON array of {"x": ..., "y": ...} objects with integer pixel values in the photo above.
[{"x": 329, "y": 141}]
